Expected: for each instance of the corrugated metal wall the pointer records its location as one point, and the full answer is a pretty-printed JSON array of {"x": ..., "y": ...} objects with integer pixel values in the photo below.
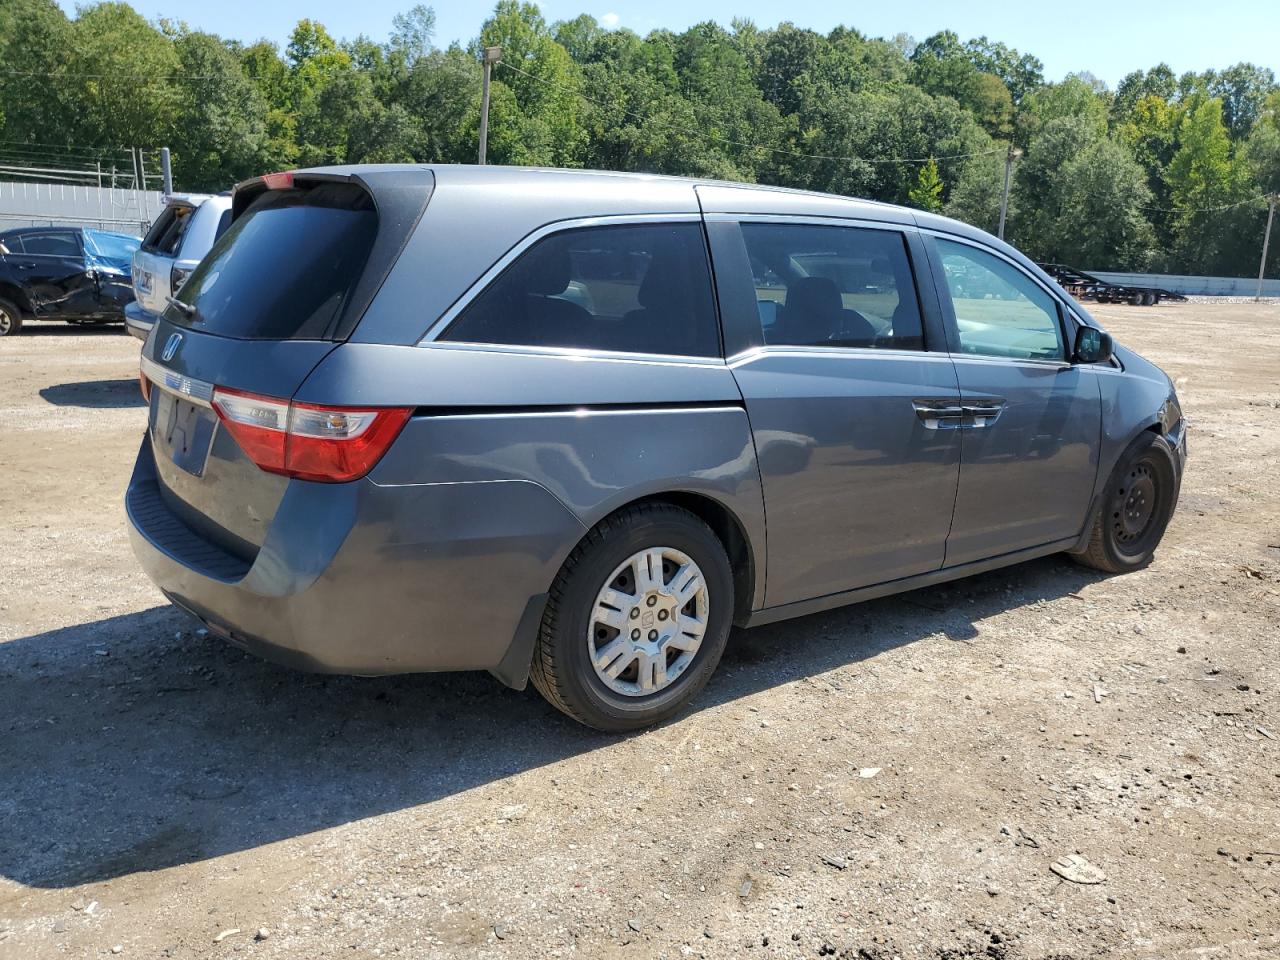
[{"x": 55, "y": 204}]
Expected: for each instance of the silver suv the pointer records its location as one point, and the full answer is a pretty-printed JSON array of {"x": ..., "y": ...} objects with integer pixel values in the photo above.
[
  {"x": 573, "y": 426},
  {"x": 171, "y": 250}
]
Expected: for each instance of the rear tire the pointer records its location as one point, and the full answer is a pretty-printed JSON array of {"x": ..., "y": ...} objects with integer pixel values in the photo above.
[
  {"x": 592, "y": 670},
  {"x": 10, "y": 319},
  {"x": 1137, "y": 504}
]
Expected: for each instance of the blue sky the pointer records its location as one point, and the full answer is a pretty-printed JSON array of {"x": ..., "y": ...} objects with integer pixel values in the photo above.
[{"x": 1186, "y": 35}]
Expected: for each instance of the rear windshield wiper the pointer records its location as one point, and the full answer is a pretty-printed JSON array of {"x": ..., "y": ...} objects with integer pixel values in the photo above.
[{"x": 186, "y": 308}]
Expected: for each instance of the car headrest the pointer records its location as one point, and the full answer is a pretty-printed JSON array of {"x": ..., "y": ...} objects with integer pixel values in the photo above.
[
  {"x": 547, "y": 272},
  {"x": 664, "y": 281},
  {"x": 815, "y": 296}
]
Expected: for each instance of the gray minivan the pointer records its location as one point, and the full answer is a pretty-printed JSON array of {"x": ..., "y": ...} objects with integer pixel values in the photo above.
[{"x": 573, "y": 426}]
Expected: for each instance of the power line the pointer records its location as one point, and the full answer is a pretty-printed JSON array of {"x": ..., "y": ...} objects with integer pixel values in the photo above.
[
  {"x": 738, "y": 143},
  {"x": 64, "y": 148},
  {"x": 105, "y": 76},
  {"x": 1217, "y": 209}
]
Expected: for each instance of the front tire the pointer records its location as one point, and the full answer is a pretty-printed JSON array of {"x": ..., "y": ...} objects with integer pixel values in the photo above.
[
  {"x": 636, "y": 620},
  {"x": 1137, "y": 505},
  {"x": 10, "y": 319}
]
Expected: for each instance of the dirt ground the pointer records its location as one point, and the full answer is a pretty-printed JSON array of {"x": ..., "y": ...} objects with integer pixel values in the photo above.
[{"x": 890, "y": 779}]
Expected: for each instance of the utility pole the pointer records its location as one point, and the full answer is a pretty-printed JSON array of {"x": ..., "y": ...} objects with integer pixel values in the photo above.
[
  {"x": 1013, "y": 154},
  {"x": 491, "y": 56},
  {"x": 1266, "y": 241},
  {"x": 166, "y": 171}
]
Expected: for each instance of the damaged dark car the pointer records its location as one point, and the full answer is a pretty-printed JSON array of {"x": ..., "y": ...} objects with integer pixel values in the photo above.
[{"x": 78, "y": 275}]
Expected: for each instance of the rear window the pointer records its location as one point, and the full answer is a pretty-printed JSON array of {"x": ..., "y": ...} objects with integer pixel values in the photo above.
[
  {"x": 165, "y": 235},
  {"x": 285, "y": 268}
]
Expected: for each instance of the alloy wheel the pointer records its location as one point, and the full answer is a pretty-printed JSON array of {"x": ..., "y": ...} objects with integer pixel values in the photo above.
[{"x": 648, "y": 621}]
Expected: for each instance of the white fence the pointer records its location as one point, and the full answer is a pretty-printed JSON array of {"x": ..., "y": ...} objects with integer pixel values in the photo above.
[
  {"x": 55, "y": 204},
  {"x": 1196, "y": 286}
]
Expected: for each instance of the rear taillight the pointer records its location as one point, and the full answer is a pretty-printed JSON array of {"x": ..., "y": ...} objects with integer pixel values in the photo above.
[
  {"x": 177, "y": 277},
  {"x": 310, "y": 442},
  {"x": 144, "y": 384}
]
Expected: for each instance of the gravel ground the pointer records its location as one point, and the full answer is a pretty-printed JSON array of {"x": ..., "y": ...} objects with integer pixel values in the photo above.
[{"x": 891, "y": 779}]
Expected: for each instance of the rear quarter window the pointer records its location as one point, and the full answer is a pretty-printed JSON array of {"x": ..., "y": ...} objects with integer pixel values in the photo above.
[
  {"x": 285, "y": 268},
  {"x": 643, "y": 288}
]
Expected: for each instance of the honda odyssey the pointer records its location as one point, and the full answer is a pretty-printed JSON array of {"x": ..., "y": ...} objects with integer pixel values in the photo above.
[{"x": 572, "y": 427}]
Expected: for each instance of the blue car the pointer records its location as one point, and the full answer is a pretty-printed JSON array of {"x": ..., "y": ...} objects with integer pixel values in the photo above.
[
  {"x": 73, "y": 274},
  {"x": 571, "y": 427}
]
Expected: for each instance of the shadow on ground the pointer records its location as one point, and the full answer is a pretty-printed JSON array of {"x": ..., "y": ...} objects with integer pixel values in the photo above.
[
  {"x": 131, "y": 745},
  {"x": 95, "y": 394},
  {"x": 59, "y": 328}
]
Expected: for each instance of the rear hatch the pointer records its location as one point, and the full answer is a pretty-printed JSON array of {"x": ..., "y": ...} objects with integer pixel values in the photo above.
[
  {"x": 153, "y": 261},
  {"x": 283, "y": 286}
]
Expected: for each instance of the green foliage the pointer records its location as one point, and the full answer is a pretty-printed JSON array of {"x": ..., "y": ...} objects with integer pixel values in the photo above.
[
  {"x": 1165, "y": 171},
  {"x": 222, "y": 116},
  {"x": 927, "y": 193},
  {"x": 975, "y": 198},
  {"x": 1104, "y": 219}
]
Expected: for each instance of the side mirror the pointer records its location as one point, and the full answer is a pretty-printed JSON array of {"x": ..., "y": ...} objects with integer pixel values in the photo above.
[{"x": 1093, "y": 346}]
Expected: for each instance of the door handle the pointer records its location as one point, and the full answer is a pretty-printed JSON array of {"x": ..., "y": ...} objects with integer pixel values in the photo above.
[
  {"x": 939, "y": 414},
  {"x": 982, "y": 413}
]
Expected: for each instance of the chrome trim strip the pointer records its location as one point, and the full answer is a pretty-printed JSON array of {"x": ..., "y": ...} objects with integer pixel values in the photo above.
[
  {"x": 188, "y": 388},
  {"x": 529, "y": 240},
  {"x": 588, "y": 411},
  {"x": 815, "y": 220},
  {"x": 576, "y": 353},
  {"x": 814, "y": 351}
]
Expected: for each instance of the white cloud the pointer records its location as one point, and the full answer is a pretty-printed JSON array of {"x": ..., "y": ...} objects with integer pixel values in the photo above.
[{"x": 610, "y": 20}]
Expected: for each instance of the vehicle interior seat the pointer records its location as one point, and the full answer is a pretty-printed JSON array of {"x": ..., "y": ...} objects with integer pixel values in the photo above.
[
  {"x": 549, "y": 319},
  {"x": 666, "y": 313},
  {"x": 814, "y": 312}
]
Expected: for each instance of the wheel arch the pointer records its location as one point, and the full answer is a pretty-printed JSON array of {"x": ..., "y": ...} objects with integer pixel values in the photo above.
[
  {"x": 15, "y": 295},
  {"x": 731, "y": 533},
  {"x": 1155, "y": 424},
  {"x": 724, "y": 523}
]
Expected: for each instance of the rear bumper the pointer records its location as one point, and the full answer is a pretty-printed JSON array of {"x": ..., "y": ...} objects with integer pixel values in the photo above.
[
  {"x": 138, "y": 321},
  {"x": 366, "y": 579}
]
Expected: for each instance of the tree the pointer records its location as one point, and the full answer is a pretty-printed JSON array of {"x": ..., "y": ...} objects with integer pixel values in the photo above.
[
  {"x": 1020, "y": 72},
  {"x": 535, "y": 107},
  {"x": 1203, "y": 180},
  {"x": 1242, "y": 89},
  {"x": 42, "y": 109},
  {"x": 927, "y": 193},
  {"x": 220, "y": 136},
  {"x": 413, "y": 31},
  {"x": 1076, "y": 98},
  {"x": 120, "y": 72},
  {"x": 1104, "y": 219},
  {"x": 579, "y": 36},
  {"x": 977, "y": 193}
]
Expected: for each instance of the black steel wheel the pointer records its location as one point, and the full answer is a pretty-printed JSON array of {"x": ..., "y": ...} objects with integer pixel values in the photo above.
[{"x": 1136, "y": 507}]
